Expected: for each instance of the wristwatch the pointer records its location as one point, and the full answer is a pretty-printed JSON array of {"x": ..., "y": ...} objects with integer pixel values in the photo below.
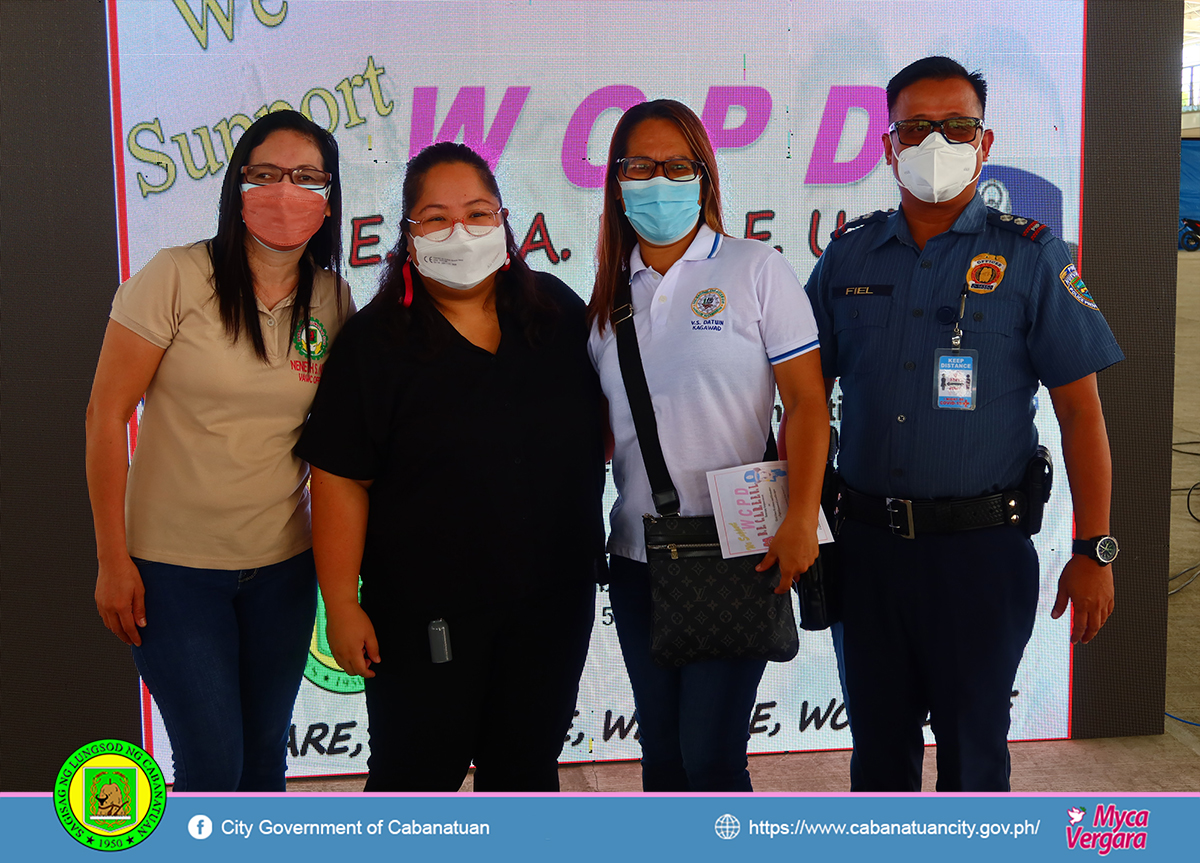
[{"x": 1102, "y": 549}]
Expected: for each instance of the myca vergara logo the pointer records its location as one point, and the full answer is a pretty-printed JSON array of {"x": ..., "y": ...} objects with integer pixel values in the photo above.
[
  {"x": 322, "y": 669},
  {"x": 110, "y": 795},
  {"x": 318, "y": 341},
  {"x": 1110, "y": 830}
]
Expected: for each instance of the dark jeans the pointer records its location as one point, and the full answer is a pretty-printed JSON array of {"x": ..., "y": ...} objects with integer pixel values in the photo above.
[
  {"x": 934, "y": 626},
  {"x": 694, "y": 721},
  {"x": 505, "y": 699},
  {"x": 222, "y": 653}
]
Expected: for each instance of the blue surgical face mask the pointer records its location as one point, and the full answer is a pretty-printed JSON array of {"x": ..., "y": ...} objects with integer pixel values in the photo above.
[{"x": 662, "y": 211}]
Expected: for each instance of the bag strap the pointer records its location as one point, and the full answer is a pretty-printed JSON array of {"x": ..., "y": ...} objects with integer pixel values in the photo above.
[
  {"x": 637, "y": 391},
  {"x": 666, "y": 499}
]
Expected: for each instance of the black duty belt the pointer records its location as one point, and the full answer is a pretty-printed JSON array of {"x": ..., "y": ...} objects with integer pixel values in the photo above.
[{"x": 907, "y": 518}]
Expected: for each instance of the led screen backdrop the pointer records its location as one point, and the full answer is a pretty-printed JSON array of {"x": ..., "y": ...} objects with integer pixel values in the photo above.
[{"x": 792, "y": 95}]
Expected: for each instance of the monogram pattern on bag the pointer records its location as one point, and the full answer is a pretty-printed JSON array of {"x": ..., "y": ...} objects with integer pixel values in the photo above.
[{"x": 712, "y": 608}]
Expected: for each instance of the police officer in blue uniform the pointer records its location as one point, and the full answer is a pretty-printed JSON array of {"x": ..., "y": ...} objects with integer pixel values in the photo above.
[{"x": 940, "y": 318}]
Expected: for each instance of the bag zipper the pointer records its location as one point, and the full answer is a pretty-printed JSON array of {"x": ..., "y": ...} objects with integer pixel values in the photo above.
[{"x": 674, "y": 547}]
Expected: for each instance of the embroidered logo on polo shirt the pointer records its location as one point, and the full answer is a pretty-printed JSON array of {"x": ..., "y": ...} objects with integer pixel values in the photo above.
[
  {"x": 318, "y": 340},
  {"x": 705, "y": 305},
  {"x": 308, "y": 368},
  {"x": 1071, "y": 281},
  {"x": 708, "y": 303},
  {"x": 985, "y": 272}
]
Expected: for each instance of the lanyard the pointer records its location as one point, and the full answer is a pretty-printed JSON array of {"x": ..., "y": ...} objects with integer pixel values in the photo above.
[{"x": 956, "y": 338}]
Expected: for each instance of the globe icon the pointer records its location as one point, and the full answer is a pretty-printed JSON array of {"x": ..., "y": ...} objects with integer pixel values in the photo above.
[{"x": 727, "y": 826}]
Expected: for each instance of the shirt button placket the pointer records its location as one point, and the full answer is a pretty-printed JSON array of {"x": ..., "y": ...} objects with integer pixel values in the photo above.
[{"x": 919, "y": 294}]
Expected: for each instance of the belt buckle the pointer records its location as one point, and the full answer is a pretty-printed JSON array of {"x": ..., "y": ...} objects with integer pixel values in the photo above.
[{"x": 893, "y": 511}]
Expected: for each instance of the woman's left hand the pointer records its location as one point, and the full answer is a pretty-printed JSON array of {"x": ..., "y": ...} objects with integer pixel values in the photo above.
[{"x": 794, "y": 548}]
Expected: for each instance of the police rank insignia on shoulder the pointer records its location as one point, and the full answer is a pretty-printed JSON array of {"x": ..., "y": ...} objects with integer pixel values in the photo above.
[
  {"x": 985, "y": 272},
  {"x": 1030, "y": 229},
  {"x": 859, "y": 221},
  {"x": 1071, "y": 281}
]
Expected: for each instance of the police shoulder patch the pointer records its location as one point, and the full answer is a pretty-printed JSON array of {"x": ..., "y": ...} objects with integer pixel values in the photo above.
[
  {"x": 1030, "y": 229},
  {"x": 859, "y": 221},
  {"x": 1071, "y": 281}
]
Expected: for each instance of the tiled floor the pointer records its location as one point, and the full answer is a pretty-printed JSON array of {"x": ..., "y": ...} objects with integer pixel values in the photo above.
[{"x": 1166, "y": 762}]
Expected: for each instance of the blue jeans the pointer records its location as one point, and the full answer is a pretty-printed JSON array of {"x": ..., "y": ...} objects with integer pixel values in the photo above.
[
  {"x": 694, "y": 721},
  {"x": 222, "y": 653}
]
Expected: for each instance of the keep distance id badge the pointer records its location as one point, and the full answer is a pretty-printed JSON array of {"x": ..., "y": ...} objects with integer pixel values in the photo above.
[{"x": 955, "y": 380}]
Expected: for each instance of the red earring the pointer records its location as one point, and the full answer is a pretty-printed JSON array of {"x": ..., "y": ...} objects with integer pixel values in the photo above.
[{"x": 406, "y": 271}]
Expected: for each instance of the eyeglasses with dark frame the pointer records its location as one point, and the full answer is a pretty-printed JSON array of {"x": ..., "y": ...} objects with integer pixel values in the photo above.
[
  {"x": 644, "y": 168},
  {"x": 956, "y": 130},
  {"x": 267, "y": 174},
  {"x": 478, "y": 223}
]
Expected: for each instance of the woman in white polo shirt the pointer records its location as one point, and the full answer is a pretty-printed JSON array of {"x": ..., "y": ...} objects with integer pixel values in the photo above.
[
  {"x": 720, "y": 322},
  {"x": 204, "y": 547}
]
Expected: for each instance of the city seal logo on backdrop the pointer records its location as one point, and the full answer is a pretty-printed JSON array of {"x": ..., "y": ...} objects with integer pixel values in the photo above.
[
  {"x": 321, "y": 669},
  {"x": 110, "y": 795}
]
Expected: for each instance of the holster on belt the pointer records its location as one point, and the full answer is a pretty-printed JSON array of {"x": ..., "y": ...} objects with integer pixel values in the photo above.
[
  {"x": 1039, "y": 477},
  {"x": 1019, "y": 507}
]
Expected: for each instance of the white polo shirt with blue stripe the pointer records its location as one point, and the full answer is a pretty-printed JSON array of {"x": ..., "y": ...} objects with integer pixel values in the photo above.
[{"x": 709, "y": 330}]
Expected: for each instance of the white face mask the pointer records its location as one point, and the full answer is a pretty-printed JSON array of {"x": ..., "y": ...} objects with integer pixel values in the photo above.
[
  {"x": 937, "y": 170},
  {"x": 462, "y": 260}
]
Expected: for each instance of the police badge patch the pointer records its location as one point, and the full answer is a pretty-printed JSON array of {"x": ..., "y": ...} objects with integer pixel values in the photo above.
[
  {"x": 985, "y": 272},
  {"x": 1071, "y": 281}
]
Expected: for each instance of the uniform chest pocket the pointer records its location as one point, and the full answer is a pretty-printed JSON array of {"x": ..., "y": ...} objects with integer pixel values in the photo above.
[
  {"x": 859, "y": 324},
  {"x": 853, "y": 312},
  {"x": 991, "y": 315}
]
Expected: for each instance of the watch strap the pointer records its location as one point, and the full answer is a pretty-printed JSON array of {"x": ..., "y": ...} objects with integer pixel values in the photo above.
[{"x": 1090, "y": 548}]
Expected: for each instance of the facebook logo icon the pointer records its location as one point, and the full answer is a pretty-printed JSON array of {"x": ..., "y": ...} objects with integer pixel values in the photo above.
[{"x": 200, "y": 826}]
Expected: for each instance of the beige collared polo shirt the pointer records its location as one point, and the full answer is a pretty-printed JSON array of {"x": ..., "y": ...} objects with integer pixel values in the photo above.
[{"x": 214, "y": 483}]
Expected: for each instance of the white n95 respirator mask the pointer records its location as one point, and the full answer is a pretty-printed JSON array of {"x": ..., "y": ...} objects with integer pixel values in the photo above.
[{"x": 936, "y": 170}]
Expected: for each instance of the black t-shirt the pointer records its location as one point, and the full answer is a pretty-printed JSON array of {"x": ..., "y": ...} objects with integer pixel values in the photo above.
[{"x": 488, "y": 469}]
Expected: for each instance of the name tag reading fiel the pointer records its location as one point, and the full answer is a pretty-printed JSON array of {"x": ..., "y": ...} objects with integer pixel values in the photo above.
[{"x": 955, "y": 379}]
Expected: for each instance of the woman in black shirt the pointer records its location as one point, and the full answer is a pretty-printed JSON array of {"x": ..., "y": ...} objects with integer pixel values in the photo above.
[{"x": 457, "y": 463}]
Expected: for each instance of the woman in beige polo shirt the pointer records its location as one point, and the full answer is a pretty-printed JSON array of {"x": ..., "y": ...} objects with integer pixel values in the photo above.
[{"x": 205, "y": 561}]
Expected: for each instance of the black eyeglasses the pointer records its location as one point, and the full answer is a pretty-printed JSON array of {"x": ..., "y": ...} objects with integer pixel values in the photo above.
[
  {"x": 265, "y": 175},
  {"x": 642, "y": 168},
  {"x": 956, "y": 130}
]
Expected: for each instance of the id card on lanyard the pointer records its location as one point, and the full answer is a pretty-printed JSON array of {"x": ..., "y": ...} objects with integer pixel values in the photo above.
[{"x": 956, "y": 370}]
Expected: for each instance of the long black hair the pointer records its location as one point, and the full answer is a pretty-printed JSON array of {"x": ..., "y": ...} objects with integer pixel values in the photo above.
[
  {"x": 516, "y": 291},
  {"x": 233, "y": 283}
]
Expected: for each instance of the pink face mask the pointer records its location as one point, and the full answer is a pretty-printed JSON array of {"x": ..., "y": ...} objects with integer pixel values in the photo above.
[{"x": 283, "y": 216}]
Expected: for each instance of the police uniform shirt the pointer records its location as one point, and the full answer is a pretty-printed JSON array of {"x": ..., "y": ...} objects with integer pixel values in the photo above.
[
  {"x": 709, "y": 331},
  {"x": 884, "y": 307},
  {"x": 488, "y": 469}
]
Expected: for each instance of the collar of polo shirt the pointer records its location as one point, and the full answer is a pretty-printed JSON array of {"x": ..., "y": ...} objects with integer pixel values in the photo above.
[{"x": 706, "y": 244}]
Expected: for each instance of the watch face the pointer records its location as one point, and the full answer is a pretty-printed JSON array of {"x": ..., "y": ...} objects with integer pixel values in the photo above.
[{"x": 1106, "y": 549}]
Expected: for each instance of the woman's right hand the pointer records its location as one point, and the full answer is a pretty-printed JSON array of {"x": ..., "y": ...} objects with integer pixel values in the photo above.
[
  {"x": 121, "y": 599},
  {"x": 351, "y": 638}
]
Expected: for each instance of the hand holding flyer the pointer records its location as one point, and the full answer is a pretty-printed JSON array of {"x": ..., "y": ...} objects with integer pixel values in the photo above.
[{"x": 749, "y": 504}]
